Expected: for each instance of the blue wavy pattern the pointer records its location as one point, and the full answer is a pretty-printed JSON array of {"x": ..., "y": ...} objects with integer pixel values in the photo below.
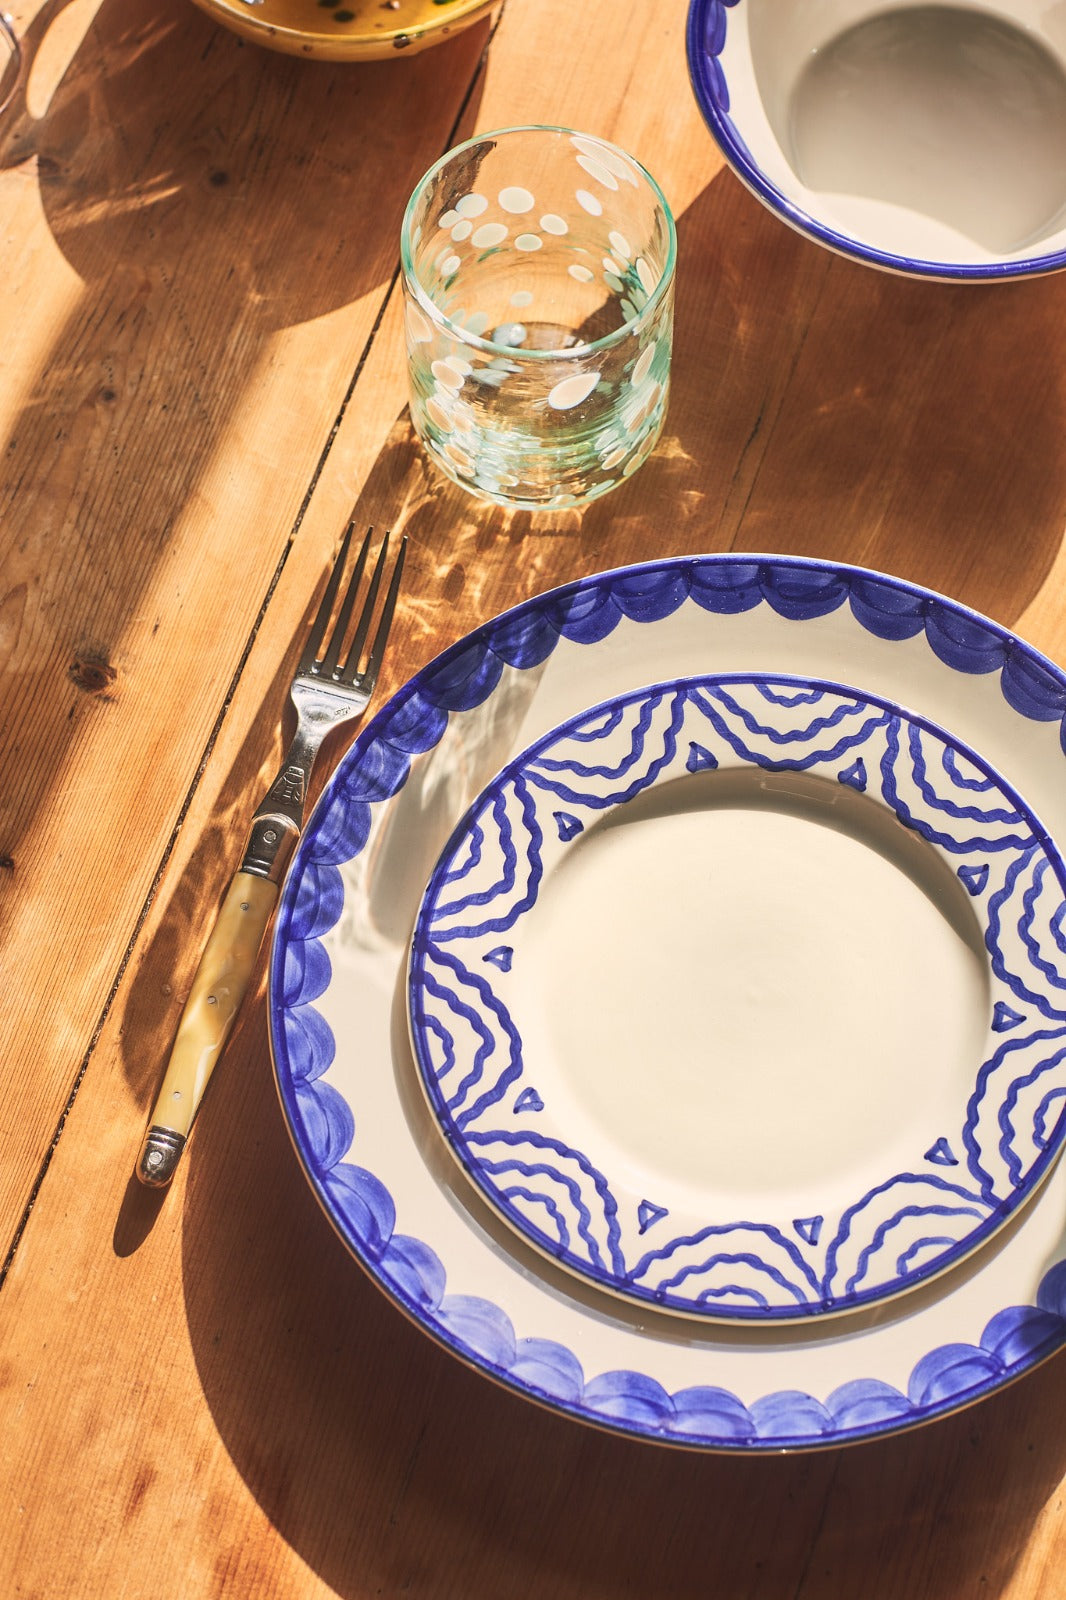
[
  {"x": 474, "y": 1015},
  {"x": 505, "y": 885},
  {"x": 746, "y": 1267},
  {"x": 988, "y": 838},
  {"x": 375, "y": 769},
  {"x": 978, "y": 781},
  {"x": 554, "y": 1176}
]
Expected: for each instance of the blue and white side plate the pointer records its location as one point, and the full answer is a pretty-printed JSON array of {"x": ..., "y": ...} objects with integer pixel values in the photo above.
[
  {"x": 739, "y": 996},
  {"x": 373, "y": 1150}
]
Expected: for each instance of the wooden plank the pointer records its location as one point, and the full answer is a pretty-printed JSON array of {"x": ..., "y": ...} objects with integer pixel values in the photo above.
[
  {"x": 246, "y": 1413},
  {"x": 206, "y": 233},
  {"x": 923, "y": 427}
]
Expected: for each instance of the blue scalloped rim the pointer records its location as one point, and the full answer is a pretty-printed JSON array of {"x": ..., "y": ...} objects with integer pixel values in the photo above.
[
  {"x": 321, "y": 1122},
  {"x": 706, "y": 37}
]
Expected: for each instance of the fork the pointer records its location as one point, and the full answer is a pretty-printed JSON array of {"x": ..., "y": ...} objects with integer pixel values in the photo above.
[{"x": 327, "y": 690}]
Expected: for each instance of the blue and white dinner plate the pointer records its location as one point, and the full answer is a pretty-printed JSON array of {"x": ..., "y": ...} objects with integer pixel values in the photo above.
[
  {"x": 711, "y": 1031},
  {"x": 758, "y": 631}
]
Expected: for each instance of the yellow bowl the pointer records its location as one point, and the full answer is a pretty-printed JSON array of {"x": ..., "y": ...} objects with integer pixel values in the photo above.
[{"x": 347, "y": 30}]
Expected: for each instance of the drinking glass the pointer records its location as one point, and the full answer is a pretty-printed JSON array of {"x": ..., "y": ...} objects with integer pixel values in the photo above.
[
  {"x": 10, "y": 60},
  {"x": 538, "y": 275}
]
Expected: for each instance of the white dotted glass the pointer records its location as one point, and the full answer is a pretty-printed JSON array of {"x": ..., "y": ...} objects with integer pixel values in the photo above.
[{"x": 538, "y": 271}]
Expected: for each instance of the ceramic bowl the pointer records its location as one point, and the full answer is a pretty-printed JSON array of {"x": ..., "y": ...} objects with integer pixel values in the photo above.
[
  {"x": 347, "y": 30},
  {"x": 923, "y": 139}
]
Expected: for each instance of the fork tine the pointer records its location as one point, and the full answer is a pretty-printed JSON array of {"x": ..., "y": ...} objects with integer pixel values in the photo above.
[
  {"x": 382, "y": 636},
  {"x": 327, "y": 663},
  {"x": 318, "y": 629},
  {"x": 351, "y": 661}
]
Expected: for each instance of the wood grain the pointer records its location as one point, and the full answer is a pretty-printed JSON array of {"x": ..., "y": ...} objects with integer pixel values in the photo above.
[
  {"x": 220, "y": 227},
  {"x": 201, "y": 1395}
]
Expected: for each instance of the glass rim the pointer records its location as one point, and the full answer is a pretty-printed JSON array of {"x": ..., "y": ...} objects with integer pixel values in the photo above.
[{"x": 477, "y": 341}]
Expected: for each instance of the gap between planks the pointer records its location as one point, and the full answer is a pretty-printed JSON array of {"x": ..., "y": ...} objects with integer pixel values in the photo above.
[{"x": 216, "y": 729}]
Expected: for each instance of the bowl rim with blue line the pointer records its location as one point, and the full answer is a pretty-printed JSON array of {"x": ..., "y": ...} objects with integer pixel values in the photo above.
[{"x": 726, "y": 84}]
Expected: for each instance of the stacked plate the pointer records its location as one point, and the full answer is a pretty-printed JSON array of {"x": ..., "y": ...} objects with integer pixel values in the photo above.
[{"x": 668, "y": 1002}]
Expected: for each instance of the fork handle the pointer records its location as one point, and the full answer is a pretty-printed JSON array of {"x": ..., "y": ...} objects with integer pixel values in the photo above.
[{"x": 218, "y": 989}]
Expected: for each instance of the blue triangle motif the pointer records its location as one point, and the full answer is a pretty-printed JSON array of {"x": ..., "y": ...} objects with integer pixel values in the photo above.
[
  {"x": 1004, "y": 1017},
  {"x": 854, "y": 776},
  {"x": 974, "y": 878},
  {"x": 808, "y": 1228},
  {"x": 500, "y": 957},
  {"x": 529, "y": 1100},
  {"x": 568, "y": 825},
  {"x": 700, "y": 759},
  {"x": 647, "y": 1214},
  {"x": 942, "y": 1155}
]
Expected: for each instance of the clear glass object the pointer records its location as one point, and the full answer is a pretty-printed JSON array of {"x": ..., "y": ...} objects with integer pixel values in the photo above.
[
  {"x": 538, "y": 272},
  {"x": 10, "y": 61}
]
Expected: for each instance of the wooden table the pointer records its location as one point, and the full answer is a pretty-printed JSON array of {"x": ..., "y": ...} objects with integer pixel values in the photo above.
[{"x": 202, "y": 380}]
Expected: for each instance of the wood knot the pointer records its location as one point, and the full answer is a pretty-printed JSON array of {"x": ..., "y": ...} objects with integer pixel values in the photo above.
[{"x": 91, "y": 671}]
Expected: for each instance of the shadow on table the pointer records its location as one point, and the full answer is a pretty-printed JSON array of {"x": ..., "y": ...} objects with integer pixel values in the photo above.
[
  {"x": 817, "y": 408},
  {"x": 205, "y": 195},
  {"x": 392, "y": 1469},
  {"x": 924, "y": 423}
]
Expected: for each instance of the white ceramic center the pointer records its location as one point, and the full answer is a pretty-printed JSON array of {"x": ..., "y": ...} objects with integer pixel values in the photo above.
[
  {"x": 947, "y": 111},
  {"x": 740, "y": 1001}
]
